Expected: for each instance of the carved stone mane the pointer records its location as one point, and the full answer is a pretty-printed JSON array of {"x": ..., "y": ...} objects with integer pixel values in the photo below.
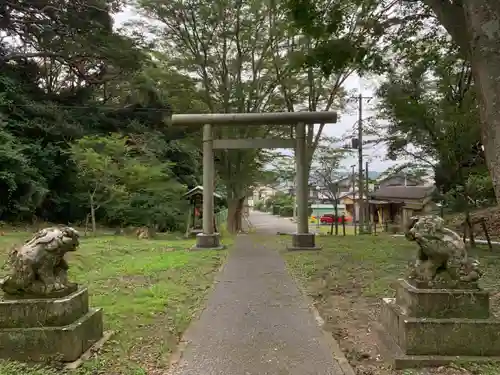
[
  {"x": 38, "y": 268},
  {"x": 442, "y": 256}
]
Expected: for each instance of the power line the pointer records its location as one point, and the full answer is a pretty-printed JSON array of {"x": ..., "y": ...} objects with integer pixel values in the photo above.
[
  {"x": 57, "y": 106},
  {"x": 361, "y": 183}
]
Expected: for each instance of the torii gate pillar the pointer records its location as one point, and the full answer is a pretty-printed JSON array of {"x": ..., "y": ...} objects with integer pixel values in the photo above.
[
  {"x": 302, "y": 239},
  {"x": 209, "y": 239}
]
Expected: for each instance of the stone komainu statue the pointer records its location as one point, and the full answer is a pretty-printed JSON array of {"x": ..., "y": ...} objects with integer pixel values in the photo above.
[
  {"x": 442, "y": 255},
  {"x": 37, "y": 268}
]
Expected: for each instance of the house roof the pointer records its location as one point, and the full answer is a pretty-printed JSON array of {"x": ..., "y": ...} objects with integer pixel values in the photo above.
[
  {"x": 350, "y": 194},
  {"x": 198, "y": 190},
  {"x": 340, "y": 179},
  {"x": 383, "y": 178},
  {"x": 403, "y": 192}
]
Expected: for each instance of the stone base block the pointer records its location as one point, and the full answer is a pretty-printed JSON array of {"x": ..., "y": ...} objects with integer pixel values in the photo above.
[
  {"x": 208, "y": 241},
  {"x": 393, "y": 354},
  {"x": 194, "y": 232},
  {"x": 303, "y": 241},
  {"x": 63, "y": 343},
  {"x": 68, "y": 290},
  {"x": 442, "y": 303},
  {"x": 46, "y": 312},
  {"x": 443, "y": 337},
  {"x": 458, "y": 285}
]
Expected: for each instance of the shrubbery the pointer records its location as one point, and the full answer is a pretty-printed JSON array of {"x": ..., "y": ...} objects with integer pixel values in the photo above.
[{"x": 286, "y": 211}]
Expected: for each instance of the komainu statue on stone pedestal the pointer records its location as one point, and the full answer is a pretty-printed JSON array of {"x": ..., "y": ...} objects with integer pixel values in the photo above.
[
  {"x": 38, "y": 268},
  {"x": 442, "y": 260}
]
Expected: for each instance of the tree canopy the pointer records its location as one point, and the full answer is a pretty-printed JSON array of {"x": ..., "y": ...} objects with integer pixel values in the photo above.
[
  {"x": 462, "y": 36},
  {"x": 85, "y": 105},
  {"x": 68, "y": 75}
]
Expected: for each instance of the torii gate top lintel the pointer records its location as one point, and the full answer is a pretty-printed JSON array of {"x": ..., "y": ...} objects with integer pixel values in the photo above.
[{"x": 260, "y": 118}]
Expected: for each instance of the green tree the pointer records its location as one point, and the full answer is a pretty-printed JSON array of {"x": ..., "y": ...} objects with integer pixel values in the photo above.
[
  {"x": 283, "y": 167},
  {"x": 472, "y": 25},
  {"x": 129, "y": 183},
  {"x": 227, "y": 45},
  {"x": 326, "y": 171},
  {"x": 66, "y": 73},
  {"x": 475, "y": 27},
  {"x": 57, "y": 53},
  {"x": 100, "y": 164},
  {"x": 431, "y": 106},
  {"x": 23, "y": 187}
]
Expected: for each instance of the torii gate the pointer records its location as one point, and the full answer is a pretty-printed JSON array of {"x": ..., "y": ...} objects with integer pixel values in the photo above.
[{"x": 302, "y": 239}]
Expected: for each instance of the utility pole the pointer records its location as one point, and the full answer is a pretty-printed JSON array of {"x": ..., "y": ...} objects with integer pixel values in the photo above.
[
  {"x": 367, "y": 217},
  {"x": 361, "y": 182},
  {"x": 353, "y": 177},
  {"x": 295, "y": 199},
  {"x": 360, "y": 164}
]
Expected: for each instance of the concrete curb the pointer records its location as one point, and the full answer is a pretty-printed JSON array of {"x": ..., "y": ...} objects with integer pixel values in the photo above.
[
  {"x": 88, "y": 353},
  {"x": 337, "y": 352}
]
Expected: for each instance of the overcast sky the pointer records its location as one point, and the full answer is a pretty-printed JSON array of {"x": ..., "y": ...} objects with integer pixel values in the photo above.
[
  {"x": 347, "y": 125},
  {"x": 375, "y": 155}
]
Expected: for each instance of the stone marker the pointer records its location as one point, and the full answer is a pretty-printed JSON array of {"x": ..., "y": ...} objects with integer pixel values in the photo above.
[
  {"x": 439, "y": 314},
  {"x": 42, "y": 315}
]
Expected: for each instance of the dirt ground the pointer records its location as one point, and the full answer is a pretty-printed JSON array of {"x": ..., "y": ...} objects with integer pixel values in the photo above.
[
  {"x": 347, "y": 281},
  {"x": 350, "y": 318}
]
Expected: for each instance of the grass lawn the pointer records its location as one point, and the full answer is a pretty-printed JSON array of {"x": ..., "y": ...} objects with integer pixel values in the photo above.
[
  {"x": 348, "y": 278},
  {"x": 149, "y": 290},
  {"x": 325, "y": 229}
]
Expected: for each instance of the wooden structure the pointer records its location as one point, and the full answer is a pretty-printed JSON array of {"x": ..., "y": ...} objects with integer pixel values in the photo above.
[
  {"x": 194, "y": 219},
  {"x": 396, "y": 204},
  {"x": 468, "y": 226},
  {"x": 350, "y": 201}
]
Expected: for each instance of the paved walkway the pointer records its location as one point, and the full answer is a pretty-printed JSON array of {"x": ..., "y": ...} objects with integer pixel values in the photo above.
[
  {"x": 256, "y": 321},
  {"x": 266, "y": 223}
]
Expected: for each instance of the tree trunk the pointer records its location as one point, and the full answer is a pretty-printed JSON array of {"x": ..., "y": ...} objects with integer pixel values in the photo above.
[
  {"x": 475, "y": 26},
  {"x": 87, "y": 219},
  {"x": 483, "y": 19},
  {"x": 234, "y": 215},
  {"x": 470, "y": 229},
  {"x": 92, "y": 213},
  {"x": 336, "y": 218}
]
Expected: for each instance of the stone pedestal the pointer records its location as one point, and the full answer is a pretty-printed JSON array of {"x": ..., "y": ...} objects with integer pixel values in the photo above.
[
  {"x": 303, "y": 241},
  {"x": 54, "y": 328},
  {"x": 433, "y": 327},
  {"x": 208, "y": 242}
]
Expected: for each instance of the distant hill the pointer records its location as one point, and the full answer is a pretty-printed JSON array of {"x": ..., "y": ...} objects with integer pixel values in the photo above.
[{"x": 371, "y": 174}]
